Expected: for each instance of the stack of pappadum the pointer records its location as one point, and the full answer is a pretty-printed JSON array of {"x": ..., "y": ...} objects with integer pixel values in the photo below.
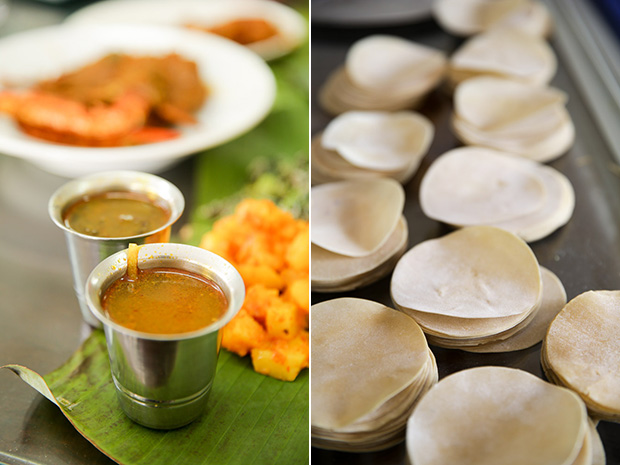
[
  {"x": 479, "y": 289},
  {"x": 500, "y": 78},
  {"x": 506, "y": 53},
  {"x": 358, "y": 232},
  {"x": 370, "y": 365},
  {"x": 501, "y": 416},
  {"x": 363, "y": 144},
  {"x": 468, "y": 17},
  {"x": 477, "y": 186},
  {"x": 582, "y": 351},
  {"x": 383, "y": 72},
  {"x": 514, "y": 117}
]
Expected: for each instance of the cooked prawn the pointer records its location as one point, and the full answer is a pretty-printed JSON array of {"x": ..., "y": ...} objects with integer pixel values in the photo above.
[{"x": 63, "y": 120}]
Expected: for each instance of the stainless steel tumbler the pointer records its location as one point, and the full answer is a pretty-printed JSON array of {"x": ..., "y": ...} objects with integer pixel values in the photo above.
[
  {"x": 85, "y": 252},
  {"x": 163, "y": 380}
]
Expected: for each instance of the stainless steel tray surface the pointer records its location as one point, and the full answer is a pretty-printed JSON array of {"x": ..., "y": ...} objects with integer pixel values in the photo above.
[{"x": 585, "y": 254}]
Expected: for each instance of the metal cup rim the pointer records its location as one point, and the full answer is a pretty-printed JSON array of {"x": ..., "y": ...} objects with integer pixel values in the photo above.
[
  {"x": 177, "y": 204},
  {"x": 116, "y": 265}
]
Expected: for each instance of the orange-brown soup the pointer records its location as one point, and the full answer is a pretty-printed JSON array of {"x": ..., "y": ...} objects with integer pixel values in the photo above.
[
  {"x": 164, "y": 301},
  {"x": 115, "y": 214}
]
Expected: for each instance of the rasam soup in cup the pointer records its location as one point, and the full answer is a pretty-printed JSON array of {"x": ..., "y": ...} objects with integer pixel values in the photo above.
[{"x": 163, "y": 346}]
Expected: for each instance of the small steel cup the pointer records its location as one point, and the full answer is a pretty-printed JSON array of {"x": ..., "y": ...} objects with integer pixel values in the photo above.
[
  {"x": 85, "y": 251},
  {"x": 163, "y": 380}
]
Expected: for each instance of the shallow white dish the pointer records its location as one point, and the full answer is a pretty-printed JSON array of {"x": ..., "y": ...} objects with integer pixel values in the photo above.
[
  {"x": 291, "y": 26},
  {"x": 241, "y": 91}
]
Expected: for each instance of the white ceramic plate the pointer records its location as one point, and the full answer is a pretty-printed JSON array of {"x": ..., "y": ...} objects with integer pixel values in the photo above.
[
  {"x": 292, "y": 27},
  {"x": 242, "y": 90}
]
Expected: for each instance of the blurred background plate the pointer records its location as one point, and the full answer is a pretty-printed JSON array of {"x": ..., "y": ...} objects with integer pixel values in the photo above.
[
  {"x": 241, "y": 91},
  {"x": 291, "y": 25},
  {"x": 366, "y": 13}
]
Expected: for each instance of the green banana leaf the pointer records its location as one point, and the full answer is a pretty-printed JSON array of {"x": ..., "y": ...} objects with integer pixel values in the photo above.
[
  {"x": 250, "y": 418},
  {"x": 222, "y": 174}
]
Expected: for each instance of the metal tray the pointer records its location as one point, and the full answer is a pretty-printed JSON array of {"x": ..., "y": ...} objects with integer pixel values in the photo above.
[{"x": 585, "y": 254}]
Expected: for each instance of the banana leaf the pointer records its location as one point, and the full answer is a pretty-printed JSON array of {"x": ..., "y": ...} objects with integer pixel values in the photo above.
[
  {"x": 250, "y": 418},
  {"x": 222, "y": 174}
]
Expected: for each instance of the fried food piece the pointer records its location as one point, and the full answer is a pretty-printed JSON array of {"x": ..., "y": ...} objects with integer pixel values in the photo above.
[
  {"x": 298, "y": 252},
  {"x": 261, "y": 274},
  {"x": 242, "y": 31},
  {"x": 282, "y": 359},
  {"x": 299, "y": 292},
  {"x": 183, "y": 91},
  {"x": 59, "y": 119},
  {"x": 243, "y": 333},
  {"x": 171, "y": 84},
  {"x": 105, "y": 80}
]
